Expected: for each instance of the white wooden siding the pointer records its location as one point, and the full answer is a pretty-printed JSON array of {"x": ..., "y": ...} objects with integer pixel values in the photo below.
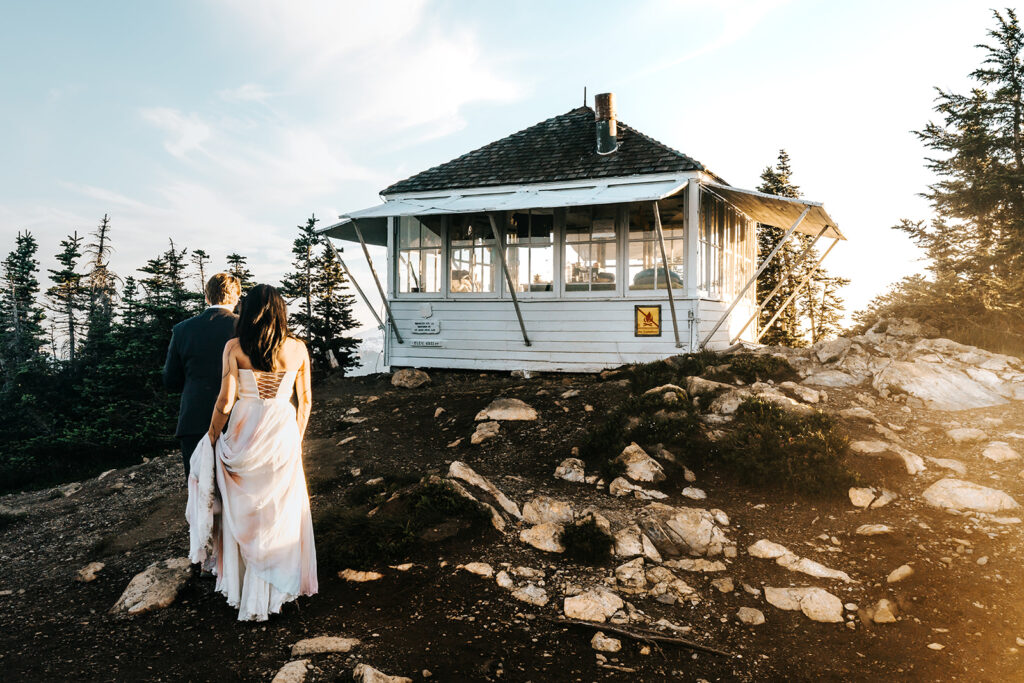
[{"x": 566, "y": 336}]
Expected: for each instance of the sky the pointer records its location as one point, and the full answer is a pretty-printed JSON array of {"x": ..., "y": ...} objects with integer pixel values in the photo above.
[{"x": 224, "y": 124}]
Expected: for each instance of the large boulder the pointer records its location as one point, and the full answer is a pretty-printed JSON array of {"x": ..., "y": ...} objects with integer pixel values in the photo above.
[
  {"x": 831, "y": 378},
  {"x": 464, "y": 473},
  {"x": 409, "y": 378},
  {"x": 940, "y": 387},
  {"x": 639, "y": 465},
  {"x": 831, "y": 350},
  {"x": 507, "y": 409},
  {"x": 546, "y": 537},
  {"x": 816, "y": 603},
  {"x": 543, "y": 509},
  {"x": 678, "y": 531},
  {"x": 155, "y": 588},
  {"x": 958, "y": 494},
  {"x": 698, "y": 386}
]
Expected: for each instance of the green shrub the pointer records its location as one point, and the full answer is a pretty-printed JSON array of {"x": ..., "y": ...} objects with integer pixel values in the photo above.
[
  {"x": 691, "y": 364},
  {"x": 772, "y": 448},
  {"x": 649, "y": 375},
  {"x": 752, "y": 368},
  {"x": 587, "y": 543}
]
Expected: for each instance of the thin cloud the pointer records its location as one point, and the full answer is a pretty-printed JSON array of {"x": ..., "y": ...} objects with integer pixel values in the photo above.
[
  {"x": 188, "y": 133},
  {"x": 249, "y": 92}
]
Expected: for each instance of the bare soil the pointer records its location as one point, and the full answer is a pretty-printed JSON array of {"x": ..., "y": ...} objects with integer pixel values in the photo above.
[{"x": 461, "y": 627}]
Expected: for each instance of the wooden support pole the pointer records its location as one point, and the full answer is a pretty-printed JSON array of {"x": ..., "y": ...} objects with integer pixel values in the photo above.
[
  {"x": 775, "y": 291},
  {"x": 668, "y": 275},
  {"x": 348, "y": 273},
  {"x": 753, "y": 278},
  {"x": 796, "y": 291},
  {"x": 373, "y": 271},
  {"x": 499, "y": 237}
]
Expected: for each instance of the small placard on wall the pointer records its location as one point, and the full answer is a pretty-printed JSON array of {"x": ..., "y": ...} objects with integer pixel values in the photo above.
[
  {"x": 427, "y": 343},
  {"x": 426, "y": 326},
  {"x": 647, "y": 321}
]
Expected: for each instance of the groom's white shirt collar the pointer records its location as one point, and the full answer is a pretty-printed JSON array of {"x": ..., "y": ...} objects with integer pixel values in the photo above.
[{"x": 226, "y": 307}]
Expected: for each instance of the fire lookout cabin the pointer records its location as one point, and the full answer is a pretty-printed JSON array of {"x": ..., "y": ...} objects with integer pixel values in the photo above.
[{"x": 574, "y": 245}]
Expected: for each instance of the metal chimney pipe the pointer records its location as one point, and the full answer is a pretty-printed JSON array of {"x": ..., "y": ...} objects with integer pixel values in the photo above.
[{"x": 605, "y": 123}]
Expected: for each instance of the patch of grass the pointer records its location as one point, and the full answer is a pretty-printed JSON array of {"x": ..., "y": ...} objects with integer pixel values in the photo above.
[
  {"x": 587, "y": 543},
  {"x": 649, "y": 375},
  {"x": 752, "y": 368},
  {"x": 347, "y": 537},
  {"x": 690, "y": 364},
  {"x": 772, "y": 448}
]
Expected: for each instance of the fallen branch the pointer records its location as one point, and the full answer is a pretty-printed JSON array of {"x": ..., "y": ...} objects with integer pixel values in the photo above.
[{"x": 644, "y": 636}]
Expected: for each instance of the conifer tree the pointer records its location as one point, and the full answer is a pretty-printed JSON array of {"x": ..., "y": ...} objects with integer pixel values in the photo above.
[
  {"x": 238, "y": 266},
  {"x": 100, "y": 281},
  {"x": 200, "y": 259},
  {"x": 781, "y": 271},
  {"x": 23, "y": 333},
  {"x": 332, "y": 315},
  {"x": 67, "y": 296},
  {"x": 299, "y": 284}
]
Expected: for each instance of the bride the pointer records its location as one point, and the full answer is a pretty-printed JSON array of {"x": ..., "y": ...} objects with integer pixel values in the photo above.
[{"x": 248, "y": 509}]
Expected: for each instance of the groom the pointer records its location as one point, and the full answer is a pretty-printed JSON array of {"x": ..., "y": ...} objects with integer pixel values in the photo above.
[{"x": 193, "y": 364}]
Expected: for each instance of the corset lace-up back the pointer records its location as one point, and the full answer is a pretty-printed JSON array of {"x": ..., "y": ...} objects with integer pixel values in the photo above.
[{"x": 265, "y": 385}]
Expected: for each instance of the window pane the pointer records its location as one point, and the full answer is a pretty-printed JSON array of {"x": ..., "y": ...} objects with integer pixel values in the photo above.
[
  {"x": 430, "y": 231},
  {"x": 473, "y": 262},
  {"x": 577, "y": 267},
  {"x": 408, "y": 232},
  {"x": 643, "y": 256}
]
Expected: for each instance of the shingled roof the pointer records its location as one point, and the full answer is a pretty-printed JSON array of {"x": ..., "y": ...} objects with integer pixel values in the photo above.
[{"x": 561, "y": 148}]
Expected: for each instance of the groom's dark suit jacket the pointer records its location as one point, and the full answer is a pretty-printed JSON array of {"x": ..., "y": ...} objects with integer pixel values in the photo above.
[{"x": 193, "y": 366}]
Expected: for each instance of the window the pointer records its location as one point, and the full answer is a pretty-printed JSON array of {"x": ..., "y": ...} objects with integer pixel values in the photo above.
[
  {"x": 474, "y": 262},
  {"x": 531, "y": 251},
  {"x": 590, "y": 249},
  {"x": 419, "y": 254},
  {"x": 646, "y": 270},
  {"x": 727, "y": 248}
]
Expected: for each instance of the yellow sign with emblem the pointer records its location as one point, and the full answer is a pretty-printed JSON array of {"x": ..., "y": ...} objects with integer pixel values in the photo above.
[{"x": 647, "y": 321}]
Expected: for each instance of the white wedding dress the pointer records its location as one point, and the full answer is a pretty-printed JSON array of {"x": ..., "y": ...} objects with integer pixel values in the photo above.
[{"x": 248, "y": 509}]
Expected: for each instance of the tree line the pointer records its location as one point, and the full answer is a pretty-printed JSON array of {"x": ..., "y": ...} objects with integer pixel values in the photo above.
[
  {"x": 81, "y": 353},
  {"x": 974, "y": 287}
]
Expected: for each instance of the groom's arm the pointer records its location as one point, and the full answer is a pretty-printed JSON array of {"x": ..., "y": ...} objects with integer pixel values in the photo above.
[{"x": 174, "y": 369}]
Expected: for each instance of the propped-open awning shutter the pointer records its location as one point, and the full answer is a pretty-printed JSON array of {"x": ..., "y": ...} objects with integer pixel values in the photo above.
[{"x": 780, "y": 212}]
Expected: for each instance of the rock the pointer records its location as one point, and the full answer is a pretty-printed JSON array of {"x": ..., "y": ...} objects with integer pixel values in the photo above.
[
  {"x": 543, "y": 510},
  {"x": 292, "y": 672},
  {"x": 724, "y": 584},
  {"x": 408, "y": 378},
  {"x": 498, "y": 521},
  {"x": 571, "y": 469},
  {"x": 571, "y": 393},
  {"x": 507, "y": 409},
  {"x": 729, "y": 402},
  {"x": 816, "y": 603},
  {"x": 902, "y": 572},
  {"x": 620, "y": 487},
  {"x": 750, "y": 616},
  {"x": 873, "y": 530},
  {"x": 480, "y": 569},
  {"x": 805, "y": 565},
  {"x": 322, "y": 644},
  {"x": 720, "y": 516},
  {"x": 364, "y": 673},
  {"x": 698, "y": 564},
  {"x": 70, "y": 489},
  {"x": 155, "y": 588},
  {"x": 948, "y": 464},
  {"x": 438, "y": 412},
  {"x": 884, "y": 612},
  {"x": 640, "y": 466},
  {"x": 958, "y": 494},
  {"x": 857, "y": 413},
  {"x": 596, "y": 605},
  {"x": 627, "y": 542},
  {"x": 630, "y": 576},
  {"x": 650, "y": 550},
  {"x": 940, "y": 387},
  {"x": 861, "y": 497},
  {"x": 88, "y": 573},
  {"x": 966, "y": 434},
  {"x": 693, "y": 493},
  {"x": 484, "y": 431},
  {"x": 936, "y": 646},
  {"x": 664, "y": 584},
  {"x": 678, "y": 531},
  {"x": 532, "y": 594},
  {"x": 356, "y": 576},
  {"x": 831, "y": 378},
  {"x": 688, "y": 475},
  {"x": 667, "y": 390},
  {"x": 869, "y": 447},
  {"x": 832, "y": 350},
  {"x": 698, "y": 386},
  {"x": 767, "y": 549},
  {"x": 463, "y": 472},
  {"x": 1000, "y": 451},
  {"x": 528, "y": 572},
  {"x": 913, "y": 463},
  {"x": 546, "y": 537},
  {"x": 504, "y": 580},
  {"x": 805, "y": 394},
  {"x": 603, "y": 643}
]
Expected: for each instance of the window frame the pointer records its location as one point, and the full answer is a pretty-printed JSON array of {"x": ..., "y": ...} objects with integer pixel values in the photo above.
[
  {"x": 499, "y": 275},
  {"x": 677, "y": 290},
  {"x": 616, "y": 292},
  {"x": 556, "y": 283},
  {"x": 397, "y": 265}
]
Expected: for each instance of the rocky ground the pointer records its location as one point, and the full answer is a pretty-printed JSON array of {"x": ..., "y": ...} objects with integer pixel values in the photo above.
[{"x": 914, "y": 574}]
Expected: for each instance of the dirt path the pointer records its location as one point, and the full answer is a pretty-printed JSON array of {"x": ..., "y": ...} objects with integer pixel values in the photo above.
[{"x": 462, "y": 627}]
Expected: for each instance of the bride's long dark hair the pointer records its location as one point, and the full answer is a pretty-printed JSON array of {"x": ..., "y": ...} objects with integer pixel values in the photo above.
[{"x": 262, "y": 326}]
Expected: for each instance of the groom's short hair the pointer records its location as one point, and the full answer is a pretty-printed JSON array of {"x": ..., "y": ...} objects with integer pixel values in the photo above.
[{"x": 223, "y": 288}]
